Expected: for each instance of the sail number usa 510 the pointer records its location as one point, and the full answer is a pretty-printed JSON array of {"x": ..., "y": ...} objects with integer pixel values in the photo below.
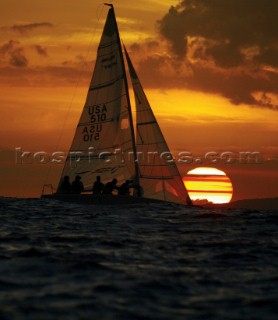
[{"x": 97, "y": 115}]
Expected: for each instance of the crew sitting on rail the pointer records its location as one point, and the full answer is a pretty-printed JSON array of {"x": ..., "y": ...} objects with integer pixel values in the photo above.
[
  {"x": 66, "y": 186},
  {"x": 98, "y": 186},
  {"x": 124, "y": 188},
  {"x": 110, "y": 187},
  {"x": 77, "y": 185}
]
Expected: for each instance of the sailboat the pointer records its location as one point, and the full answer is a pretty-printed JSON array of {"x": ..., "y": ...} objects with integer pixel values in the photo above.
[{"x": 107, "y": 143}]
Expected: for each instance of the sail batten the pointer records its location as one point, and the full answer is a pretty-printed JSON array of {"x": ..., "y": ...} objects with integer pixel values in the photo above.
[
  {"x": 105, "y": 85},
  {"x": 107, "y": 46}
]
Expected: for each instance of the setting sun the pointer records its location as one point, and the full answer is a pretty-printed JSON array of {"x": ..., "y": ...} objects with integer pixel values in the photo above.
[{"x": 206, "y": 184}]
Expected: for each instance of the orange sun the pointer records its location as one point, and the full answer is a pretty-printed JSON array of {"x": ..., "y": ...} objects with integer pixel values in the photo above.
[{"x": 208, "y": 185}]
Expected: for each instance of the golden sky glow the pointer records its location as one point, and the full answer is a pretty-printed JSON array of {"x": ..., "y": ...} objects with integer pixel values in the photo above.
[{"x": 47, "y": 53}]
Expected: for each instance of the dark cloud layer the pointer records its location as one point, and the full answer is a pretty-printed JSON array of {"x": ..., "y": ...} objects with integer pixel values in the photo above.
[
  {"x": 240, "y": 87},
  {"x": 232, "y": 24},
  {"x": 64, "y": 75},
  {"x": 41, "y": 51},
  {"x": 25, "y": 28},
  {"x": 231, "y": 46},
  {"x": 17, "y": 58},
  {"x": 14, "y": 53},
  {"x": 8, "y": 47}
]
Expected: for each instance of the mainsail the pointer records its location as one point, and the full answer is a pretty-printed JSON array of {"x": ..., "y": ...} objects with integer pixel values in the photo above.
[
  {"x": 104, "y": 132},
  {"x": 159, "y": 175}
]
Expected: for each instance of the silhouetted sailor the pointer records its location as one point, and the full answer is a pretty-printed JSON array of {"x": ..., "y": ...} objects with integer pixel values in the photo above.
[
  {"x": 77, "y": 185},
  {"x": 98, "y": 186},
  {"x": 110, "y": 187},
  {"x": 124, "y": 188},
  {"x": 66, "y": 186}
]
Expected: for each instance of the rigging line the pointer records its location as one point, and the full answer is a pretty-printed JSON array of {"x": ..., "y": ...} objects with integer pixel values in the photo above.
[{"x": 81, "y": 73}]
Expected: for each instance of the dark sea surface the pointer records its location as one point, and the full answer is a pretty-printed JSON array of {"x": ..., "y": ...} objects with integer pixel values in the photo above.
[{"x": 159, "y": 261}]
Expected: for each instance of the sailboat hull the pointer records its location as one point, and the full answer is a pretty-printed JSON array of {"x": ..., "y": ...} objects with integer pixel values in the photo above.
[{"x": 100, "y": 199}]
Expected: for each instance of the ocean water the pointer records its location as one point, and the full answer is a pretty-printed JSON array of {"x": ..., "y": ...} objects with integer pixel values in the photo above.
[{"x": 160, "y": 261}]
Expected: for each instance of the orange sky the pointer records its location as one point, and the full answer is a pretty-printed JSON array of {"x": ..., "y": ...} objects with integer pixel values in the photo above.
[{"x": 203, "y": 104}]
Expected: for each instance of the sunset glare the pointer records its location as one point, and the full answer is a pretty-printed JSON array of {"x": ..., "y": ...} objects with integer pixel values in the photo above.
[{"x": 208, "y": 185}]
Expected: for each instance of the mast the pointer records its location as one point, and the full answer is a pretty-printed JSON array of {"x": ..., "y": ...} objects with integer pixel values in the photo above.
[{"x": 136, "y": 166}]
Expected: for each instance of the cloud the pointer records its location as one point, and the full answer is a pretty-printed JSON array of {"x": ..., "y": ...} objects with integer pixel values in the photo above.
[
  {"x": 148, "y": 44},
  {"x": 231, "y": 24},
  {"x": 41, "y": 51},
  {"x": 8, "y": 47},
  {"x": 25, "y": 28},
  {"x": 238, "y": 85},
  {"x": 14, "y": 53},
  {"x": 17, "y": 58},
  {"x": 225, "y": 47},
  {"x": 63, "y": 75}
]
